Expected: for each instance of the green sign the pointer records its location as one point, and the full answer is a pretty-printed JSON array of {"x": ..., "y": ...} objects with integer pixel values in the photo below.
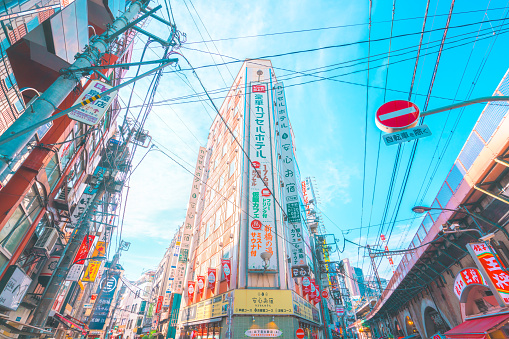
[{"x": 293, "y": 212}]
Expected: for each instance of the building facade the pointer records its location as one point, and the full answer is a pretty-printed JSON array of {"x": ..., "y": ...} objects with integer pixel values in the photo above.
[{"x": 248, "y": 240}]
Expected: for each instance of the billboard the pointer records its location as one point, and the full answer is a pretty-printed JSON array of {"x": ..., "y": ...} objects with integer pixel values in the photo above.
[
  {"x": 289, "y": 174},
  {"x": 98, "y": 318},
  {"x": 187, "y": 232},
  {"x": 261, "y": 221}
]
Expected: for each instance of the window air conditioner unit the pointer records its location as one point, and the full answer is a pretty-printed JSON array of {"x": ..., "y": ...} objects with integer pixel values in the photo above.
[{"x": 46, "y": 241}]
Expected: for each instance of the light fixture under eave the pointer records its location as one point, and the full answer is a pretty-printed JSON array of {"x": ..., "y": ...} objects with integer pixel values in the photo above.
[{"x": 266, "y": 259}]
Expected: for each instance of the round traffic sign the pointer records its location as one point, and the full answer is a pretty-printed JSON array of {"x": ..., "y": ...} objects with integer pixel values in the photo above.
[
  {"x": 300, "y": 333},
  {"x": 325, "y": 294},
  {"x": 397, "y": 115}
]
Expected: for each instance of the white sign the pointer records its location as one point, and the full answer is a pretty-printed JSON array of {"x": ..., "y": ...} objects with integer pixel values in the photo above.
[
  {"x": 261, "y": 221},
  {"x": 407, "y": 135},
  {"x": 75, "y": 272},
  {"x": 94, "y": 110},
  {"x": 187, "y": 233},
  {"x": 264, "y": 333},
  {"x": 289, "y": 173},
  {"x": 88, "y": 305},
  {"x": 15, "y": 288}
]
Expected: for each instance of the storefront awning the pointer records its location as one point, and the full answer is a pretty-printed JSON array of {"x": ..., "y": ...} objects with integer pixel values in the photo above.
[{"x": 477, "y": 328}]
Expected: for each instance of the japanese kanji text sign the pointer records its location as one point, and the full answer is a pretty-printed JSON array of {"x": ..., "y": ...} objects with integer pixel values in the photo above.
[
  {"x": 261, "y": 221},
  {"x": 92, "y": 270},
  {"x": 187, "y": 232},
  {"x": 465, "y": 279},
  {"x": 492, "y": 269},
  {"x": 92, "y": 112},
  {"x": 398, "y": 137},
  {"x": 291, "y": 179},
  {"x": 191, "y": 287}
]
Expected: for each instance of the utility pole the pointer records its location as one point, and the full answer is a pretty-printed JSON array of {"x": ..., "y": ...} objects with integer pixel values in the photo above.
[
  {"x": 372, "y": 257},
  {"x": 47, "y": 103}
]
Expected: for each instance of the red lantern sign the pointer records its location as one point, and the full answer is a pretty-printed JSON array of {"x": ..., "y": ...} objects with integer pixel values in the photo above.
[{"x": 227, "y": 270}]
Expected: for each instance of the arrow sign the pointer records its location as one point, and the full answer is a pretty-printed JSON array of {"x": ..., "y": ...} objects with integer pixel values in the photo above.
[{"x": 396, "y": 115}]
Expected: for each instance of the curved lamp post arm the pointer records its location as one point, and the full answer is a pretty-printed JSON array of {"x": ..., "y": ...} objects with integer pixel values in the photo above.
[{"x": 465, "y": 103}]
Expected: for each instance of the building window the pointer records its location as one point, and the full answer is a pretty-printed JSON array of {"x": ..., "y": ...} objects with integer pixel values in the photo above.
[
  {"x": 53, "y": 172},
  {"x": 143, "y": 305},
  {"x": 207, "y": 229},
  {"x": 138, "y": 323},
  {"x": 9, "y": 81},
  {"x": 220, "y": 183},
  {"x": 231, "y": 169},
  {"x": 19, "y": 106},
  {"x": 225, "y": 148}
]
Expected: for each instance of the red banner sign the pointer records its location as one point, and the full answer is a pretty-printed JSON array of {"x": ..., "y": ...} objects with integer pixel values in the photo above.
[
  {"x": 159, "y": 304},
  {"x": 201, "y": 284},
  {"x": 191, "y": 285},
  {"x": 227, "y": 269},
  {"x": 84, "y": 249},
  {"x": 211, "y": 277}
]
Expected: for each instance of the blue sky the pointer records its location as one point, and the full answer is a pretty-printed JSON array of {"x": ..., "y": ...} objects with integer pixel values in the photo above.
[{"x": 328, "y": 116}]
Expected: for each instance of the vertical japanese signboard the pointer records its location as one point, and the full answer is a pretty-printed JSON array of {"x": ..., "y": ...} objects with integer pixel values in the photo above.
[
  {"x": 289, "y": 174},
  {"x": 492, "y": 269},
  {"x": 261, "y": 221},
  {"x": 466, "y": 278},
  {"x": 173, "y": 268},
  {"x": 187, "y": 232},
  {"x": 104, "y": 303}
]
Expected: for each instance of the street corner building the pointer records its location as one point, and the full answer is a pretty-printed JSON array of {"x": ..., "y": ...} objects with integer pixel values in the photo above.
[
  {"x": 60, "y": 183},
  {"x": 241, "y": 264},
  {"x": 453, "y": 281}
]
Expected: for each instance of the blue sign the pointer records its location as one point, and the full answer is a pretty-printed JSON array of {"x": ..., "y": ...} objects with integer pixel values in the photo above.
[{"x": 104, "y": 303}]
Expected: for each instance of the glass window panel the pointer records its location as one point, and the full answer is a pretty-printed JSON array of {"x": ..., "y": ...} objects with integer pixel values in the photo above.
[
  {"x": 19, "y": 106},
  {"x": 52, "y": 172},
  {"x": 14, "y": 230},
  {"x": 421, "y": 232},
  {"x": 3, "y": 262}
]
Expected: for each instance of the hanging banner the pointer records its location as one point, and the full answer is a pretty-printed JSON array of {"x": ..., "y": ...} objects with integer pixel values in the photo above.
[
  {"x": 261, "y": 221},
  {"x": 94, "y": 111},
  {"x": 226, "y": 265},
  {"x": 190, "y": 290},
  {"x": 211, "y": 277},
  {"x": 492, "y": 269},
  {"x": 201, "y": 285},
  {"x": 92, "y": 270},
  {"x": 306, "y": 285},
  {"x": 187, "y": 232},
  {"x": 290, "y": 175}
]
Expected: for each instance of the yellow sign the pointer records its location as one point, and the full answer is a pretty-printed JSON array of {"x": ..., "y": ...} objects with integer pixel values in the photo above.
[
  {"x": 100, "y": 249},
  {"x": 92, "y": 270},
  {"x": 81, "y": 285},
  {"x": 263, "y": 302},
  {"x": 210, "y": 308}
]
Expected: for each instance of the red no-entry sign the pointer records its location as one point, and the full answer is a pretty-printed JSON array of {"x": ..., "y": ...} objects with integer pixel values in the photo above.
[
  {"x": 300, "y": 333},
  {"x": 395, "y": 115},
  {"x": 325, "y": 294}
]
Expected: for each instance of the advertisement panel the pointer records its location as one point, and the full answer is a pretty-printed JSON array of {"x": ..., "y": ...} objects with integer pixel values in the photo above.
[
  {"x": 13, "y": 287},
  {"x": 211, "y": 277},
  {"x": 289, "y": 174},
  {"x": 492, "y": 269},
  {"x": 187, "y": 232},
  {"x": 227, "y": 271},
  {"x": 261, "y": 221},
  {"x": 92, "y": 270},
  {"x": 98, "y": 318},
  {"x": 206, "y": 309},
  {"x": 466, "y": 278},
  {"x": 173, "y": 269},
  {"x": 263, "y": 301},
  {"x": 93, "y": 112}
]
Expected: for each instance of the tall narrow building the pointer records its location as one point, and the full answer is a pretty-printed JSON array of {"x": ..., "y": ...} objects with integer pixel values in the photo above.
[{"x": 250, "y": 267}]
